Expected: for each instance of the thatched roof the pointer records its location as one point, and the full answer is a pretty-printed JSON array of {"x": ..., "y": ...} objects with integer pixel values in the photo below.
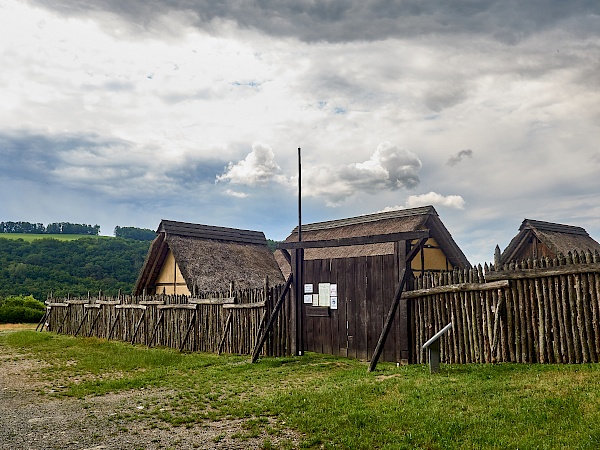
[
  {"x": 404, "y": 220},
  {"x": 560, "y": 239},
  {"x": 211, "y": 257}
]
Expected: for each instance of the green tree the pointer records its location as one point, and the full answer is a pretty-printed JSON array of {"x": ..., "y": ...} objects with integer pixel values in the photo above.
[{"x": 21, "y": 309}]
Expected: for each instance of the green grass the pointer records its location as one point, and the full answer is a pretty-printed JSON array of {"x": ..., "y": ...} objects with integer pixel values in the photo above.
[
  {"x": 29, "y": 237},
  {"x": 334, "y": 402}
]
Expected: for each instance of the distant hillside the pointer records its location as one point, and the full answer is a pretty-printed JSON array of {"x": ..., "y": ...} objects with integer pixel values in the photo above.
[
  {"x": 69, "y": 267},
  {"x": 29, "y": 237}
]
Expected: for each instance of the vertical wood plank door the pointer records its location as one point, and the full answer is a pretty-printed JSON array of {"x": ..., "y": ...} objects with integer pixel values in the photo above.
[{"x": 365, "y": 288}]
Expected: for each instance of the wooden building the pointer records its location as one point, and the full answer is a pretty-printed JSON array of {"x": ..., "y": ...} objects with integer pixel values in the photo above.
[
  {"x": 186, "y": 258},
  {"x": 348, "y": 289},
  {"x": 537, "y": 239}
]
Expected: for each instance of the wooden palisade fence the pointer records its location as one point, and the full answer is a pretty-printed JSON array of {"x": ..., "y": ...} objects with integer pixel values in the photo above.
[
  {"x": 226, "y": 322},
  {"x": 544, "y": 311}
]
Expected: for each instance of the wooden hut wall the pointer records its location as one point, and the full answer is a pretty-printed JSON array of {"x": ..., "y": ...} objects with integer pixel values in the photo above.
[
  {"x": 430, "y": 258},
  {"x": 365, "y": 290},
  {"x": 170, "y": 280}
]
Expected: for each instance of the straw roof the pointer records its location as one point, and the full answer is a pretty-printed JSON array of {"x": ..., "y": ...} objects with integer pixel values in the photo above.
[
  {"x": 404, "y": 220},
  {"x": 210, "y": 258},
  {"x": 558, "y": 238}
]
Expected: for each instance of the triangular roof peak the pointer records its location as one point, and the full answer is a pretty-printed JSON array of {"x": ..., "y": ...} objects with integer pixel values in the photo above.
[
  {"x": 388, "y": 222},
  {"x": 538, "y": 239},
  {"x": 171, "y": 227}
]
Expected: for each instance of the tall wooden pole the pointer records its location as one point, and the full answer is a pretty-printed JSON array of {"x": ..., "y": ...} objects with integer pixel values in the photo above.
[{"x": 299, "y": 273}]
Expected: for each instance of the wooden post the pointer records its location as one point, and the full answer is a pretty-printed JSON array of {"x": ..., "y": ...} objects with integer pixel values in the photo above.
[
  {"x": 225, "y": 331},
  {"x": 94, "y": 321},
  {"x": 189, "y": 328},
  {"x": 388, "y": 322},
  {"x": 160, "y": 319},
  {"x": 42, "y": 319},
  {"x": 264, "y": 334},
  {"x": 297, "y": 329},
  {"x": 112, "y": 328},
  {"x": 137, "y": 326}
]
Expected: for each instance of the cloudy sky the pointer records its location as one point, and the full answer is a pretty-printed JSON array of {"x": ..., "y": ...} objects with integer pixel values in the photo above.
[{"x": 127, "y": 112}]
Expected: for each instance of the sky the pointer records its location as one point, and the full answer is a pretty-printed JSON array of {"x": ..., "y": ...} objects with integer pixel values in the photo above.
[{"x": 129, "y": 112}]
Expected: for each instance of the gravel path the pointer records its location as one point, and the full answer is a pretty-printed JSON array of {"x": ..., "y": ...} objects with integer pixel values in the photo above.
[{"x": 32, "y": 420}]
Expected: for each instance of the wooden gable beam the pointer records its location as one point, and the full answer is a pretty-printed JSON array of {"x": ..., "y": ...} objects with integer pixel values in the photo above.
[{"x": 359, "y": 240}]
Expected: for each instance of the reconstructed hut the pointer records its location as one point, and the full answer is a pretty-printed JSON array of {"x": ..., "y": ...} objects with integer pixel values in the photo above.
[
  {"x": 537, "y": 239},
  {"x": 348, "y": 290},
  {"x": 186, "y": 258}
]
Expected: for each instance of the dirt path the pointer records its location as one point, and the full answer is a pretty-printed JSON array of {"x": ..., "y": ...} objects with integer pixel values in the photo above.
[{"x": 32, "y": 420}]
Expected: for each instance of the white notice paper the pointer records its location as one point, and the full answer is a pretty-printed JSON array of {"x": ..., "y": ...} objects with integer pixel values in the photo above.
[
  {"x": 315, "y": 299},
  {"x": 308, "y": 288},
  {"x": 333, "y": 290},
  {"x": 308, "y": 298},
  {"x": 333, "y": 303},
  {"x": 324, "y": 294}
]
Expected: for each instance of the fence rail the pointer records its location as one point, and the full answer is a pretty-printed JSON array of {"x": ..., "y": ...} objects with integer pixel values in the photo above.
[{"x": 227, "y": 322}]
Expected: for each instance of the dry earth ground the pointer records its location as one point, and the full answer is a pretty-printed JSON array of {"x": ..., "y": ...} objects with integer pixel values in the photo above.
[{"x": 31, "y": 419}]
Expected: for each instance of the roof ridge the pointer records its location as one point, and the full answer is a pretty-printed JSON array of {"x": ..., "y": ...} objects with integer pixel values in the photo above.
[
  {"x": 541, "y": 225},
  {"x": 368, "y": 218},
  {"x": 171, "y": 227}
]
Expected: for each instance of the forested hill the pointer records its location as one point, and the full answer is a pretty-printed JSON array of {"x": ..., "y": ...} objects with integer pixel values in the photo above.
[{"x": 69, "y": 267}]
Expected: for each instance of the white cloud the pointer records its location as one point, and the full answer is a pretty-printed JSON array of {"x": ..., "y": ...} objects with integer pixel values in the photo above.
[
  {"x": 235, "y": 194},
  {"x": 389, "y": 168},
  {"x": 257, "y": 168},
  {"x": 435, "y": 199}
]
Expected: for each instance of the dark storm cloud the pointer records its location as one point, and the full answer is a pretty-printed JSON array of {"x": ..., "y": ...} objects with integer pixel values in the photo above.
[
  {"x": 455, "y": 159},
  {"x": 103, "y": 165},
  {"x": 349, "y": 20},
  {"x": 30, "y": 155}
]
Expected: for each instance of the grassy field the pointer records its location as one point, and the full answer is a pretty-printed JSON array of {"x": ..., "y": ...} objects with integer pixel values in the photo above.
[
  {"x": 28, "y": 237},
  {"x": 334, "y": 402}
]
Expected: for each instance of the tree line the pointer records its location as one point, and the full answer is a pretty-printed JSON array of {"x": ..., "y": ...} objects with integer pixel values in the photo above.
[
  {"x": 139, "y": 234},
  {"x": 51, "y": 228},
  {"x": 69, "y": 267}
]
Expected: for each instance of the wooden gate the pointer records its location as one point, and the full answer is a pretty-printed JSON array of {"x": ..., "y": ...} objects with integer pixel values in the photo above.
[{"x": 365, "y": 291}]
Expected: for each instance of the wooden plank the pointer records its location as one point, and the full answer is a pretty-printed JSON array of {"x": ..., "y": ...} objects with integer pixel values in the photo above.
[
  {"x": 313, "y": 311},
  {"x": 311, "y": 276},
  {"x": 360, "y": 333},
  {"x": 334, "y": 266},
  {"x": 176, "y": 306},
  {"x": 388, "y": 322},
  {"x": 351, "y": 294},
  {"x": 212, "y": 301},
  {"x": 245, "y": 305},
  {"x": 462, "y": 287},
  {"x": 130, "y": 306},
  {"x": 518, "y": 274},
  {"x": 360, "y": 240}
]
